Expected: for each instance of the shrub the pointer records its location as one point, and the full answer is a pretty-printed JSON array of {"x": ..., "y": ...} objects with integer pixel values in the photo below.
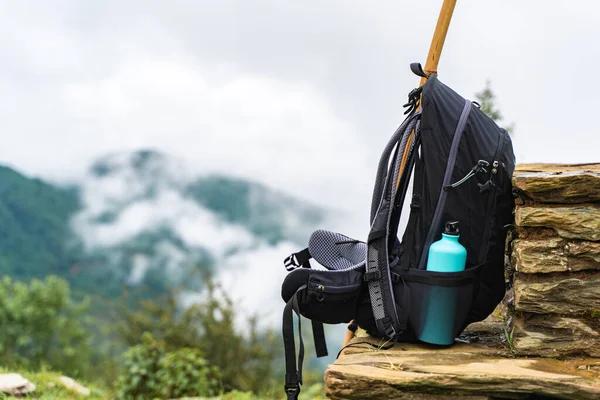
[
  {"x": 184, "y": 373},
  {"x": 149, "y": 372}
]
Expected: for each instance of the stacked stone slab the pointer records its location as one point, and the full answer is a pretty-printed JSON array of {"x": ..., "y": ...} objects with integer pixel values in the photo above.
[{"x": 555, "y": 261}]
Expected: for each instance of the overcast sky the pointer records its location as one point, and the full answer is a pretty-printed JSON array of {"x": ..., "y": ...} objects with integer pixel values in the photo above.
[{"x": 301, "y": 95}]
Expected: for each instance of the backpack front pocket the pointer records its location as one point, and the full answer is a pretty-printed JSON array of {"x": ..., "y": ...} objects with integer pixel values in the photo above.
[{"x": 331, "y": 301}]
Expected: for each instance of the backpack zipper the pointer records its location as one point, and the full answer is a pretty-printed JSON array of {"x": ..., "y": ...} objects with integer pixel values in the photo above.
[
  {"x": 479, "y": 167},
  {"x": 491, "y": 199},
  {"x": 318, "y": 287}
]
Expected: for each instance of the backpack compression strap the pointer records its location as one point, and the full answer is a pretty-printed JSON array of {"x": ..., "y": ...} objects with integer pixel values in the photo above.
[
  {"x": 389, "y": 321},
  {"x": 293, "y": 371}
]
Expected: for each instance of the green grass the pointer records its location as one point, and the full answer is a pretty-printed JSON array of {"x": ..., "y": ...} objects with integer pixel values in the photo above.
[{"x": 48, "y": 386}]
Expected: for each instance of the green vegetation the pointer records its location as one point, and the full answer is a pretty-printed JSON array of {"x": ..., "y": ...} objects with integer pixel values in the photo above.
[
  {"x": 150, "y": 372},
  {"x": 48, "y": 387},
  {"x": 42, "y": 325},
  {"x": 154, "y": 350},
  {"x": 246, "y": 360}
]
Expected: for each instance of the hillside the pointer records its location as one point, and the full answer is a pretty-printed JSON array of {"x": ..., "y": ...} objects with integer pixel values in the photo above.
[
  {"x": 34, "y": 225},
  {"x": 141, "y": 218}
]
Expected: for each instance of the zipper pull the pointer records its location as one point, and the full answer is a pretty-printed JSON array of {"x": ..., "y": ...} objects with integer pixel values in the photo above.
[
  {"x": 490, "y": 182},
  {"x": 320, "y": 292},
  {"x": 480, "y": 167}
]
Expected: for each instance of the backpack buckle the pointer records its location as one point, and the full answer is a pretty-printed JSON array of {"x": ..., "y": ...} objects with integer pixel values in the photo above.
[
  {"x": 390, "y": 331},
  {"x": 299, "y": 259},
  {"x": 291, "y": 263},
  {"x": 371, "y": 276},
  {"x": 292, "y": 388}
]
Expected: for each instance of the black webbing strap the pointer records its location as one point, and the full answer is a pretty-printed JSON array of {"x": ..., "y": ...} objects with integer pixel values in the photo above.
[
  {"x": 417, "y": 69},
  {"x": 299, "y": 259},
  {"x": 319, "y": 339},
  {"x": 293, "y": 371}
]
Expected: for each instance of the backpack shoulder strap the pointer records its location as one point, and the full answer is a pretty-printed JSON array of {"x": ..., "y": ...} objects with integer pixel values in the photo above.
[{"x": 389, "y": 319}]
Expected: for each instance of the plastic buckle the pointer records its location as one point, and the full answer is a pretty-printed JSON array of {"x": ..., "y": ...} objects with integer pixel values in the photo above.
[
  {"x": 292, "y": 386},
  {"x": 370, "y": 276},
  {"x": 291, "y": 262},
  {"x": 292, "y": 389},
  {"x": 390, "y": 331}
]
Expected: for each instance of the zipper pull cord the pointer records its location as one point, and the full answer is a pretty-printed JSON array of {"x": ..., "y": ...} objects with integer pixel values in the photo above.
[
  {"x": 490, "y": 182},
  {"x": 480, "y": 167}
]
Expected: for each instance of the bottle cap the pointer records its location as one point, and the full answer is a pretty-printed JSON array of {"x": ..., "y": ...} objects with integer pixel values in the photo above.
[{"x": 452, "y": 228}]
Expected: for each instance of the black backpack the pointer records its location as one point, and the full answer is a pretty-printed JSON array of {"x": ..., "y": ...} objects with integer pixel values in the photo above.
[{"x": 463, "y": 164}]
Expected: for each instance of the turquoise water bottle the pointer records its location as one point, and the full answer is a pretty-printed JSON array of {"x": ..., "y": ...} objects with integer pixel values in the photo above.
[
  {"x": 439, "y": 305},
  {"x": 447, "y": 255}
]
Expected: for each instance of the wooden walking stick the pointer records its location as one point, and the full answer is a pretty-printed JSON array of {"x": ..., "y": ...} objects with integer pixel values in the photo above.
[{"x": 433, "y": 58}]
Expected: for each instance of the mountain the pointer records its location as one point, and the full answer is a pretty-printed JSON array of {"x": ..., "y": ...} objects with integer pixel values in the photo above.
[
  {"x": 34, "y": 225},
  {"x": 142, "y": 218}
]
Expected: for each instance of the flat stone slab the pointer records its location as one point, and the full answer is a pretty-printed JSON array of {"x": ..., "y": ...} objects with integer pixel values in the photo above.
[
  {"x": 558, "y": 183},
  {"x": 563, "y": 294},
  {"x": 572, "y": 222},
  {"x": 556, "y": 336},
  {"x": 463, "y": 371},
  {"x": 554, "y": 255}
]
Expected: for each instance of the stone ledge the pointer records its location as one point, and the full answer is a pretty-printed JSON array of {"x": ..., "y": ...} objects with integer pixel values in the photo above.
[
  {"x": 408, "y": 371},
  {"x": 558, "y": 183}
]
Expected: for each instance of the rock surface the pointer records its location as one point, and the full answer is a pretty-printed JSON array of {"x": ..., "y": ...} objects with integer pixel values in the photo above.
[
  {"x": 554, "y": 255},
  {"x": 408, "y": 371},
  {"x": 553, "y": 335},
  {"x": 73, "y": 386},
  {"x": 573, "y": 294},
  {"x": 15, "y": 385},
  {"x": 574, "y": 222},
  {"x": 558, "y": 183}
]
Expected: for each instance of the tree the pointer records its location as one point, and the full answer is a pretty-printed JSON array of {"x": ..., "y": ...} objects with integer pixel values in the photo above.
[
  {"x": 487, "y": 100},
  {"x": 42, "y": 325}
]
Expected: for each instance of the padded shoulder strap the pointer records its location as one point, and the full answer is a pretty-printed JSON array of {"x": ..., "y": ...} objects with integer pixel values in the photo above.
[{"x": 378, "y": 275}]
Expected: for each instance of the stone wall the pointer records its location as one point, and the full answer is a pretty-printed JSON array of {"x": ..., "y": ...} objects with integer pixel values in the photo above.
[{"x": 554, "y": 266}]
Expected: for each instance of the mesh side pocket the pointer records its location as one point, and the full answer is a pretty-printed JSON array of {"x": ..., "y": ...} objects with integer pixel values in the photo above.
[{"x": 440, "y": 303}]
